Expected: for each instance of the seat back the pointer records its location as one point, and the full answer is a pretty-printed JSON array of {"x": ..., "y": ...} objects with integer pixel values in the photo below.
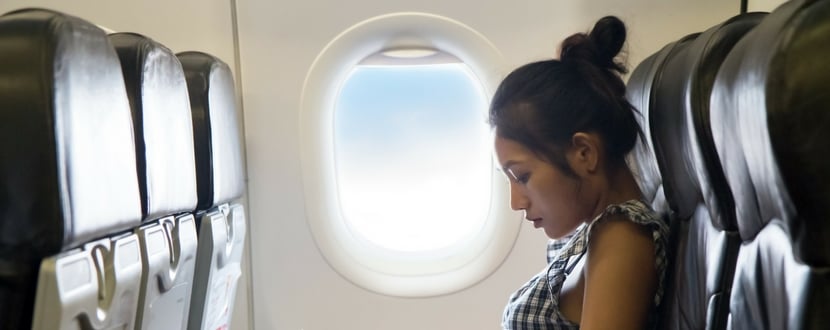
[
  {"x": 68, "y": 176},
  {"x": 707, "y": 241},
  {"x": 770, "y": 116},
  {"x": 220, "y": 181},
  {"x": 219, "y": 163},
  {"x": 642, "y": 160},
  {"x": 160, "y": 106}
]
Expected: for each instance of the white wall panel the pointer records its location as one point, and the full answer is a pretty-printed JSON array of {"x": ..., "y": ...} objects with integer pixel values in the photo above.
[{"x": 763, "y": 5}]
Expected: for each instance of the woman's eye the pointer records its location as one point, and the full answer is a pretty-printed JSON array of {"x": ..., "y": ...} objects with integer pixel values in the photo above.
[{"x": 520, "y": 177}]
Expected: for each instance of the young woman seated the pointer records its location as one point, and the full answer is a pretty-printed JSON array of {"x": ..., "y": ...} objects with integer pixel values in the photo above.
[{"x": 563, "y": 128}]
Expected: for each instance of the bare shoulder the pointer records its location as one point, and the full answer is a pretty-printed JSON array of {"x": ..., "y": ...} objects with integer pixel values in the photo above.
[
  {"x": 619, "y": 229},
  {"x": 620, "y": 274}
]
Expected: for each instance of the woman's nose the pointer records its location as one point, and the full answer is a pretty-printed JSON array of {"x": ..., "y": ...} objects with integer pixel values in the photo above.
[{"x": 518, "y": 201}]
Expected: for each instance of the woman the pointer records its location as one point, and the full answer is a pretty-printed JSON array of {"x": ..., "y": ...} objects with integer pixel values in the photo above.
[{"x": 563, "y": 128}]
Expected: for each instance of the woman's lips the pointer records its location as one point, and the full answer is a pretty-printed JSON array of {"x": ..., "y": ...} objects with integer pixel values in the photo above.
[{"x": 536, "y": 222}]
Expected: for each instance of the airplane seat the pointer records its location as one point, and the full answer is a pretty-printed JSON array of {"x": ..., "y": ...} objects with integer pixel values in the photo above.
[
  {"x": 770, "y": 116},
  {"x": 68, "y": 182},
  {"x": 160, "y": 105},
  {"x": 641, "y": 160},
  {"x": 695, "y": 187},
  {"x": 220, "y": 183}
]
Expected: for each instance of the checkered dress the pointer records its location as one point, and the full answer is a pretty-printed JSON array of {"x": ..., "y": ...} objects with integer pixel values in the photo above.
[{"x": 536, "y": 304}]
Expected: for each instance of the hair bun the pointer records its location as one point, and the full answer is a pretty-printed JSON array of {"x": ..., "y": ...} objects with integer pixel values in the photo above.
[{"x": 600, "y": 47}]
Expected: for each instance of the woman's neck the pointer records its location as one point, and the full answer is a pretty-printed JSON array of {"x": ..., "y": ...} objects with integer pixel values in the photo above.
[{"x": 617, "y": 187}]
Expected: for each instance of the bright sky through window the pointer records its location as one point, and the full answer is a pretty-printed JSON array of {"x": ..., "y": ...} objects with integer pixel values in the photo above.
[{"x": 412, "y": 155}]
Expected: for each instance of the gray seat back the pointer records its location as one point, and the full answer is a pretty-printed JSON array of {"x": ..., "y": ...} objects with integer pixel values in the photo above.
[
  {"x": 707, "y": 241},
  {"x": 642, "y": 160},
  {"x": 221, "y": 181},
  {"x": 160, "y": 106},
  {"x": 770, "y": 116},
  {"x": 68, "y": 161},
  {"x": 671, "y": 89},
  {"x": 219, "y": 172}
]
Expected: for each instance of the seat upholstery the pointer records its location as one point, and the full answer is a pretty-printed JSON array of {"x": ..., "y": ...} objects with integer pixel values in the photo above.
[
  {"x": 216, "y": 134},
  {"x": 642, "y": 160},
  {"x": 67, "y": 160},
  {"x": 687, "y": 289},
  {"x": 220, "y": 180},
  {"x": 160, "y": 106},
  {"x": 693, "y": 180},
  {"x": 770, "y": 116}
]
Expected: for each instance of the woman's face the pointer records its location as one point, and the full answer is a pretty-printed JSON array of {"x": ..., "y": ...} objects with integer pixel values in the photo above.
[{"x": 550, "y": 199}]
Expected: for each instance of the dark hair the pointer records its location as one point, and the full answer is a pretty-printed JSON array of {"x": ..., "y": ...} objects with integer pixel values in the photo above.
[{"x": 541, "y": 105}]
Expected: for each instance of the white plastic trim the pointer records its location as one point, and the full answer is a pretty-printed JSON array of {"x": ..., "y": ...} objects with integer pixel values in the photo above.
[{"x": 384, "y": 271}]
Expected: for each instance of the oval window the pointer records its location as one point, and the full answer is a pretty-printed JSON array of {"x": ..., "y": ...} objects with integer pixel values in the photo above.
[{"x": 402, "y": 195}]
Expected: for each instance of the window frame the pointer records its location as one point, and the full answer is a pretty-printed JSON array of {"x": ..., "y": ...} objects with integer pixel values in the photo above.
[{"x": 395, "y": 273}]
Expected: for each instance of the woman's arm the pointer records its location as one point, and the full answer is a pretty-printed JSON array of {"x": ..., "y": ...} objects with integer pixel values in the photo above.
[{"x": 620, "y": 276}]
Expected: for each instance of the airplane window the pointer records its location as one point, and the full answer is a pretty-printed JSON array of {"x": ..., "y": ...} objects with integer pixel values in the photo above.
[
  {"x": 413, "y": 155},
  {"x": 401, "y": 192}
]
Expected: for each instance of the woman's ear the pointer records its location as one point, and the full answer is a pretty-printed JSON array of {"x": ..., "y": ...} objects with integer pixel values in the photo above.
[{"x": 584, "y": 154}]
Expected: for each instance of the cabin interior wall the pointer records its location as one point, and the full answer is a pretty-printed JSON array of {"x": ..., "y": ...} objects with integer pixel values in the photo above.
[
  {"x": 763, "y": 5},
  {"x": 293, "y": 287}
]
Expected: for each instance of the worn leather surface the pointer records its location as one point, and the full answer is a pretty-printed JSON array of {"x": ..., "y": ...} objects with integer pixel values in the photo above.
[
  {"x": 711, "y": 50},
  {"x": 219, "y": 166},
  {"x": 694, "y": 181},
  {"x": 699, "y": 246},
  {"x": 798, "y": 120},
  {"x": 770, "y": 99},
  {"x": 671, "y": 88},
  {"x": 770, "y": 103},
  {"x": 160, "y": 106},
  {"x": 67, "y": 159},
  {"x": 642, "y": 160}
]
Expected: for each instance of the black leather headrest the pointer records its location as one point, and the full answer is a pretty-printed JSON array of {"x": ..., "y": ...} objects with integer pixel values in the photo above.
[
  {"x": 771, "y": 96},
  {"x": 219, "y": 172},
  {"x": 67, "y": 160},
  {"x": 707, "y": 54},
  {"x": 666, "y": 152},
  {"x": 644, "y": 164},
  {"x": 682, "y": 110},
  {"x": 163, "y": 125}
]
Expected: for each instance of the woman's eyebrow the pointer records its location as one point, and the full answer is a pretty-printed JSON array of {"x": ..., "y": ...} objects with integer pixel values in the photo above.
[{"x": 507, "y": 165}]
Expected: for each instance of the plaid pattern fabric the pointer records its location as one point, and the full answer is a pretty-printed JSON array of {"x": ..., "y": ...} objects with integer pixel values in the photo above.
[
  {"x": 554, "y": 245},
  {"x": 536, "y": 304}
]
